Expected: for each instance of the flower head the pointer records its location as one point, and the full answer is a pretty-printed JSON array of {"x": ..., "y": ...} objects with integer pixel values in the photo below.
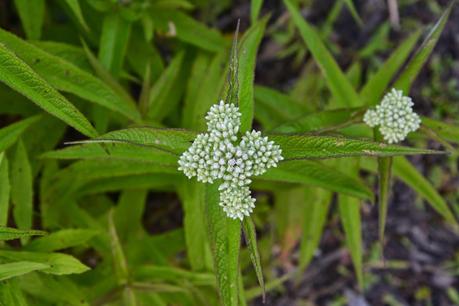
[
  {"x": 214, "y": 155},
  {"x": 394, "y": 115}
]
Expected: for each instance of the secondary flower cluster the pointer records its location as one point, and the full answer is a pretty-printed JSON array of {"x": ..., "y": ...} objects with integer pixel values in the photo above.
[
  {"x": 214, "y": 155},
  {"x": 395, "y": 117}
]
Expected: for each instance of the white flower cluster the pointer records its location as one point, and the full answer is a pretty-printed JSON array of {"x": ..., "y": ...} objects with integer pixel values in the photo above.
[
  {"x": 395, "y": 117},
  {"x": 216, "y": 156}
]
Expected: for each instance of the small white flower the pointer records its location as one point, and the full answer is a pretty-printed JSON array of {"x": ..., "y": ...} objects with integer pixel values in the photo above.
[
  {"x": 394, "y": 115},
  {"x": 214, "y": 155}
]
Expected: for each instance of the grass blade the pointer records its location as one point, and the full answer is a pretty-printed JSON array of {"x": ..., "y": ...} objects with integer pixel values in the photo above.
[
  {"x": 341, "y": 88},
  {"x": 246, "y": 72},
  {"x": 19, "y": 76},
  {"x": 225, "y": 236},
  {"x": 22, "y": 189}
]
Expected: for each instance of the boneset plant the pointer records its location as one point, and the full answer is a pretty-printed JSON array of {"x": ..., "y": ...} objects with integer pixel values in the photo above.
[{"x": 89, "y": 198}]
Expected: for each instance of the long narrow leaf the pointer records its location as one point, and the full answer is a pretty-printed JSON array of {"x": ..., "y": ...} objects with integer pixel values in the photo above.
[
  {"x": 14, "y": 269},
  {"x": 19, "y": 76},
  {"x": 32, "y": 14},
  {"x": 4, "y": 190}
]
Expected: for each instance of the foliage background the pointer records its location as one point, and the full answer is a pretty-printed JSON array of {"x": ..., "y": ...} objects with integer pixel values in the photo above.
[{"x": 134, "y": 228}]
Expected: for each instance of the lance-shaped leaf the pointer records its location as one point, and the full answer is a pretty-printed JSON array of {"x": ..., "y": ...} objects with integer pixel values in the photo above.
[
  {"x": 225, "y": 237},
  {"x": 67, "y": 77},
  {"x": 413, "y": 68},
  {"x": 22, "y": 189},
  {"x": 341, "y": 88},
  {"x": 316, "y": 174},
  {"x": 62, "y": 239},
  {"x": 4, "y": 190},
  {"x": 19, "y": 76},
  {"x": 14, "y": 269},
  {"x": 32, "y": 14},
  {"x": 246, "y": 72},
  {"x": 59, "y": 264},
  {"x": 320, "y": 147},
  {"x": 9, "y": 134},
  {"x": 9, "y": 233}
]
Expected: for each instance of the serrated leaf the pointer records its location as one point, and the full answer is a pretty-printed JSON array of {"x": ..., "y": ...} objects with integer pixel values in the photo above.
[
  {"x": 225, "y": 237},
  {"x": 14, "y": 269},
  {"x": 113, "y": 42},
  {"x": 251, "y": 241},
  {"x": 321, "y": 121},
  {"x": 4, "y": 191},
  {"x": 9, "y": 233},
  {"x": 66, "y": 77},
  {"x": 246, "y": 72},
  {"x": 59, "y": 240},
  {"x": 59, "y": 263},
  {"x": 414, "y": 66},
  {"x": 320, "y": 147},
  {"x": 21, "y": 189},
  {"x": 19, "y": 76},
  {"x": 374, "y": 89},
  {"x": 339, "y": 85},
  {"x": 32, "y": 14},
  {"x": 316, "y": 174}
]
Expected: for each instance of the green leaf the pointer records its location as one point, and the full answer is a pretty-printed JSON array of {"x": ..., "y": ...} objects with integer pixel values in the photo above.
[
  {"x": 321, "y": 121},
  {"x": 4, "y": 190},
  {"x": 316, "y": 174},
  {"x": 163, "y": 95},
  {"x": 129, "y": 212},
  {"x": 19, "y": 76},
  {"x": 351, "y": 7},
  {"x": 411, "y": 176},
  {"x": 339, "y": 84},
  {"x": 251, "y": 241},
  {"x": 75, "y": 8},
  {"x": 11, "y": 294},
  {"x": 255, "y": 7},
  {"x": 66, "y": 77},
  {"x": 225, "y": 237},
  {"x": 316, "y": 210},
  {"x": 153, "y": 273},
  {"x": 273, "y": 108},
  {"x": 32, "y": 14},
  {"x": 374, "y": 89},
  {"x": 22, "y": 189},
  {"x": 407, "y": 173},
  {"x": 445, "y": 130},
  {"x": 9, "y": 233},
  {"x": 113, "y": 42},
  {"x": 14, "y": 269},
  {"x": 246, "y": 72},
  {"x": 192, "y": 196},
  {"x": 190, "y": 30},
  {"x": 413, "y": 68},
  {"x": 10, "y": 134},
  {"x": 204, "y": 87},
  {"x": 119, "y": 261},
  {"x": 320, "y": 147},
  {"x": 59, "y": 264},
  {"x": 62, "y": 239},
  {"x": 349, "y": 211},
  {"x": 384, "y": 175}
]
